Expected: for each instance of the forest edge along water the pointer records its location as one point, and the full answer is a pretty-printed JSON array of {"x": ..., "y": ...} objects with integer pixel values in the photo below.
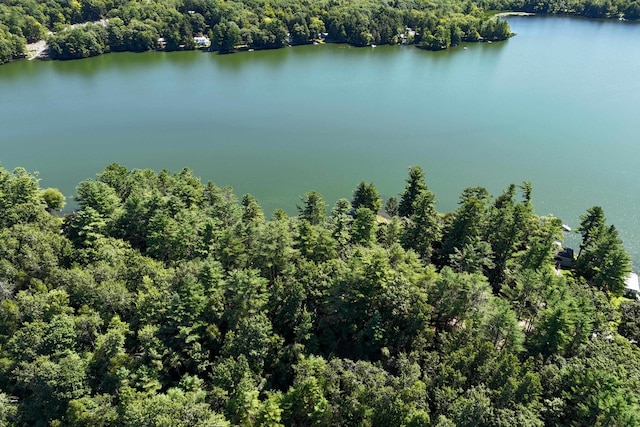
[{"x": 553, "y": 105}]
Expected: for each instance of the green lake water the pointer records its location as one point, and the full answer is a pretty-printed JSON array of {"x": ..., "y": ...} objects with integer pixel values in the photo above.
[{"x": 557, "y": 105}]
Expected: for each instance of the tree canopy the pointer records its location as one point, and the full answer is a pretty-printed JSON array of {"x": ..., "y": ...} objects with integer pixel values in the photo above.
[
  {"x": 78, "y": 29},
  {"x": 163, "y": 300}
]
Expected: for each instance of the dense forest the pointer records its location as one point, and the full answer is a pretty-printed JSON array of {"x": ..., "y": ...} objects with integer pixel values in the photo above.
[
  {"x": 82, "y": 28},
  {"x": 164, "y": 301}
]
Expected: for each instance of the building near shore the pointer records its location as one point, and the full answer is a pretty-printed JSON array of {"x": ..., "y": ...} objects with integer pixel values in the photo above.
[{"x": 632, "y": 286}]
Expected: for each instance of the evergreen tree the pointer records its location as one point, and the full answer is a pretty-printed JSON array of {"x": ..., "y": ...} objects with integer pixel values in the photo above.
[
  {"x": 313, "y": 209},
  {"x": 366, "y": 196},
  {"x": 602, "y": 260},
  {"x": 423, "y": 230},
  {"x": 415, "y": 186}
]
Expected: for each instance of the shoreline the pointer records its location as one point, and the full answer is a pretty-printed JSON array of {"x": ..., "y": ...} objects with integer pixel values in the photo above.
[
  {"x": 37, "y": 50},
  {"x": 501, "y": 14}
]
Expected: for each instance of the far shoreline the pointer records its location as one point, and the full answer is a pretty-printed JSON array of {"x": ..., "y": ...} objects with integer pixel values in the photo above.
[
  {"x": 37, "y": 50},
  {"x": 513, "y": 13}
]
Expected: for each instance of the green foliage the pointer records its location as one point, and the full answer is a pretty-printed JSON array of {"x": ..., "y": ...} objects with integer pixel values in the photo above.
[
  {"x": 364, "y": 227},
  {"x": 458, "y": 299},
  {"x": 602, "y": 260},
  {"x": 275, "y": 248},
  {"x": 314, "y": 208},
  {"x": 315, "y": 243},
  {"x": 8, "y": 411},
  {"x": 423, "y": 230},
  {"x": 79, "y": 42},
  {"x": 597, "y": 386},
  {"x": 468, "y": 223},
  {"x": 226, "y": 35},
  {"x": 91, "y": 27},
  {"x": 54, "y": 199},
  {"x": 20, "y": 201},
  {"x": 96, "y": 411},
  {"x": 12, "y": 46},
  {"x": 415, "y": 186},
  {"x": 630, "y": 322},
  {"x": 341, "y": 221},
  {"x": 165, "y": 301},
  {"x": 391, "y": 207},
  {"x": 366, "y": 196},
  {"x": 475, "y": 257},
  {"x": 99, "y": 196},
  {"x": 175, "y": 408},
  {"x": 48, "y": 385},
  {"x": 519, "y": 239}
]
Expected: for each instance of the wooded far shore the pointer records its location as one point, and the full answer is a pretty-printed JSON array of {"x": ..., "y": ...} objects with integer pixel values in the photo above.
[{"x": 86, "y": 28}]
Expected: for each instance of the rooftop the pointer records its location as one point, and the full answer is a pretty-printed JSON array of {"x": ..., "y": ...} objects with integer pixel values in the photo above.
[{"x": 631, "y": 283}]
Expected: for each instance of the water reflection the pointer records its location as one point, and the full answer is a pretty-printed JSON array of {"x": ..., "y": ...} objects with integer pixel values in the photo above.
[
  {"x": 18, "y": 70},
  {"x": 123, "y": 62},
  {"x": 268, "y": 59}
]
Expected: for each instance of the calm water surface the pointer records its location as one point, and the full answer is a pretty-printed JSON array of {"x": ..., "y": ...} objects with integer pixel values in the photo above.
[{"x": 556, "y": 105}]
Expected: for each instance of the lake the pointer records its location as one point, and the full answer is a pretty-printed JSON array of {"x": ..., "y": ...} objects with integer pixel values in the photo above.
[{"x": 556, "y": 105}]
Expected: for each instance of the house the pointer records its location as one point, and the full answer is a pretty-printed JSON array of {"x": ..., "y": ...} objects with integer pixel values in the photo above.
[
  {"x": 565, "y": 258},
  {"x": 202, "y": 41},
  {"x": 631, "y": 286}
]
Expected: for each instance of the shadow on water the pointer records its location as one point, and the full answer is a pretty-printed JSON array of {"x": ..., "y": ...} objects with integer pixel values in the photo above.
[
  {"x": 122, "y": 62},
  {"x": 274, "y": 60},
  {"x": 269, "y": 58},
  {"x": 18, "y": 70}
]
